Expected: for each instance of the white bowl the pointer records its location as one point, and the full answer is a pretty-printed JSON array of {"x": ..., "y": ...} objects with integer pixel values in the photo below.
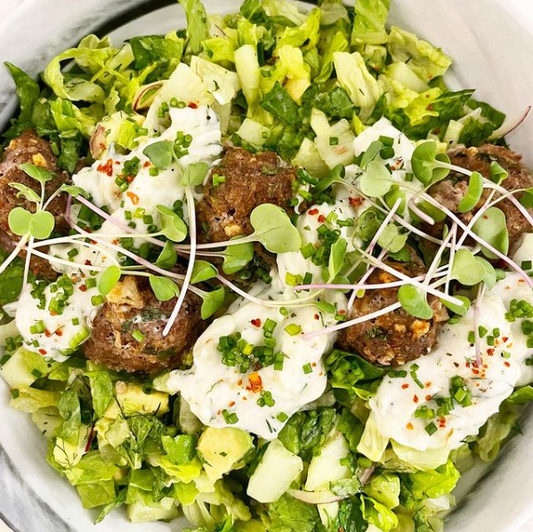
[{"x": 492, "y": 50}]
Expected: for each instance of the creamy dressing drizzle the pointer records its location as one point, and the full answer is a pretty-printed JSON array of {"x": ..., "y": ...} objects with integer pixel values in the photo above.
[
  {"x": 397, "y": 399},
  {"x": 211, "y": 388},
  {"x": 62, "y": 332}
]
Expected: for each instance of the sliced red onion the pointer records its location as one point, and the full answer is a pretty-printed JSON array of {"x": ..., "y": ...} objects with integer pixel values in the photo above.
[
  {"x": 141, "y": 92},
  {"x": 510, "y": 125}
]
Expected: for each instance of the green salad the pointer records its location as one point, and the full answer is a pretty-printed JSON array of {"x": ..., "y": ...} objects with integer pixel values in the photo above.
[{"x": 268, "y": 273}]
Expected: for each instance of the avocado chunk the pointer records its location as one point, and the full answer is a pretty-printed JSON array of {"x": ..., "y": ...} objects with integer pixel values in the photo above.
[
  {"x": 222, "y": 450},
  {"x": 278, "y": 469},
  {"x": 133, "y": 400}
]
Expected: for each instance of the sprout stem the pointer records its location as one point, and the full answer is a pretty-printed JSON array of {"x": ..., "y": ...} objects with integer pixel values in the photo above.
[
  {"x": 13, "y": 255},
  {"x": 485, "y": 244},
  {"x": 190, "y": 266}
]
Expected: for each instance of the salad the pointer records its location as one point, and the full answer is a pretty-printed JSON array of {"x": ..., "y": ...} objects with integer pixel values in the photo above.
[{"x": 268, "y": 272}]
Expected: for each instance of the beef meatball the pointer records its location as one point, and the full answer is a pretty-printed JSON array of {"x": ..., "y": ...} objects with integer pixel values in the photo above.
[
  {"x": 29, "y": 148},
  {"x": 396, "y": 337},
  {"x": 131, "y": 306},
  {"x": 248, "y": 180},
  {"x": 451, "y": 191}
]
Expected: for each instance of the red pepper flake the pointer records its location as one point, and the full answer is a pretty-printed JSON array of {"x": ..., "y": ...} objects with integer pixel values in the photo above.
[
  {"x": 256, "y": 384},
  {"x": 355, "y": 202},
  {"x": 409, "y": 426},
  {"x": 475, "y": 371},
  {"x": 232, "y": 403},
  {"x": 321, "y": 218},
  {"x": 147, "y": 164},
  {"x": 133, "y": 197},
  {"x": 428, "y": 384},
  {"x": 47, "y": 333},
  {"x": 405, "y": 386},
  {"x": 42, "y": 351},
  {"x": 117, "y": 162},
  {"x": 507, "y": 364},
  {"x": 342, "y": 312},
  {"x": 88, "y": 262},
  {"x": 313, "y": 364},
  {"x": 490, "y": 351},
  {"x": 312, "y": 212},
  {"x": 244, "y": 398},
  {"x": 106, "y": 168},
  {"x": 415, "y": 398},
  {"x": 256, "y": 322},
  {"x": 317, "y": 317},
  {"x": 59, "y": 332},
  {"x": 428, "y": 397},
  {"x": 239, "y": 382},
  {"x": 83, "y": 288},
  {"x": 53, "y": 313},
  {"x": 193, "y": 105},
  {"x": 505, "y": 338}
]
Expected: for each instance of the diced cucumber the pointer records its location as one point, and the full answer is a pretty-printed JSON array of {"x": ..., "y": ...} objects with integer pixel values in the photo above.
[
  {"x": 278, "y": 469},
  {"x": 326, "y": 467}
]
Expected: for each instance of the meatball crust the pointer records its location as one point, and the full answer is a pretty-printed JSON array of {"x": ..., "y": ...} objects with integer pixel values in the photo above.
[
  {"x": 250, "y": 180},
  {"x": 396, "y": 337},
  {"x": 451, "y": 191},
  {"x": 29, "y": 148},
  {"x": 131, "y": 306}
]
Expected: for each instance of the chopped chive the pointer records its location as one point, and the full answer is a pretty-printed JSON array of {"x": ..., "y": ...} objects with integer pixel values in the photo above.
[
  {"x": 431, "y": 428},
  {"x": 138, "y": 335},
  {"x": 293, "y": 329},
  {"x": 307, "y": 368}
]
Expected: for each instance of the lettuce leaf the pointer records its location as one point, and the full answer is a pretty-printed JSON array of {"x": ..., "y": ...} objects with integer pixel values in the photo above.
[
  {"x": 10, "y": 280},
  {"x": 292, "y": 515},
  {"x": 197, "y": 25},
  {"x": 423, "y": 58},
  {"x": 28, "y": 93},
  {"x": 429, "y": 484},
  {"x": 151, "y": 49},
  {"x": 378, "y": 514},
  {"x": 369, "y": 22},
  {"x": 354, "y": 77}
]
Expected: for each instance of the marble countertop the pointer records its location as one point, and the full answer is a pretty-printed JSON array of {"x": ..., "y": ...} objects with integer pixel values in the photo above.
[{"x": 525, "y": 7}]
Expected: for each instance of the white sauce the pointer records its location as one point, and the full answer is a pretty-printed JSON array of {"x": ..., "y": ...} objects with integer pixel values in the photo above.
[
  {"x": 62, "y": 332},
  {"x": 211, "y": 388},
  {"x": 504, "y": 368}
]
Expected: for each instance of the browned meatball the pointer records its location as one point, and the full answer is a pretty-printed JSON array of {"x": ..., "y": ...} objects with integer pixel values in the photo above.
[
  {"x": 396, "y": 337},
  {"x": 131, "y": 306},
  {"x": 249, "y": 180},
  {"x": 29, "y": 148},
  {"x": 451, "y": 191}
]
